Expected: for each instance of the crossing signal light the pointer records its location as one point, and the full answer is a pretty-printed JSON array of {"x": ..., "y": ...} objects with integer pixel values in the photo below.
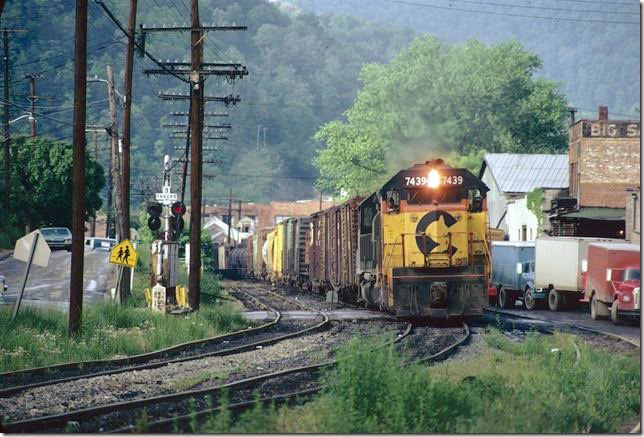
[
  {"x": 154, "y": 209},
  {"x": 178, "y": 209}
]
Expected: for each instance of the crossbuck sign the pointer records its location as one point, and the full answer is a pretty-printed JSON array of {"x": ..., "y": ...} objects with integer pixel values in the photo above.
[{"x": 166, "y": 197}]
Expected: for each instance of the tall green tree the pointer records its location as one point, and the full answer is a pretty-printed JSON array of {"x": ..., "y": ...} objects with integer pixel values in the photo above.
[
  {"x": 41, "y": 183},
  {"x": 436, "y": 99}
]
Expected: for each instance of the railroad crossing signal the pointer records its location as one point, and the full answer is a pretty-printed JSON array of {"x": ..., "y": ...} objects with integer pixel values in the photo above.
[
  {"x": 124, "y": 254},
  {"x": 178, "y": 209},
  {"x": 154, "y": 209}
]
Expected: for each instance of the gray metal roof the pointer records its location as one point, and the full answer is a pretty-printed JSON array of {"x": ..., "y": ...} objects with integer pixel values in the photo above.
[{"x": 521, "y": 173}]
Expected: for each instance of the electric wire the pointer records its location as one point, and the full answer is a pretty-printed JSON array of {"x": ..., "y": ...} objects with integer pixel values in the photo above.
[
  {"x": 545, "y": 8},
  {"x": 506, "y": 14}
]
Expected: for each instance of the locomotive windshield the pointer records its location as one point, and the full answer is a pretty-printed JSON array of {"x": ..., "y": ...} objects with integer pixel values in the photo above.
[{"x": 426, "y": 196}]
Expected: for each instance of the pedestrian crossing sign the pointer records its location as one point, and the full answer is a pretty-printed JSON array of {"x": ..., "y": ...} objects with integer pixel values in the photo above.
[{"x": 123, "y": 254}]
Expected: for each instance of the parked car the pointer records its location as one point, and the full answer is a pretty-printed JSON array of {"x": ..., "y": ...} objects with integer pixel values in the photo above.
[
  {"x": 613, "y": 281},
  {"x": 513, "y": 272},
  {"x": 560, "y": 262},
  {"x": 100, "y": 243},
  {"x": 58, "y": 238}
]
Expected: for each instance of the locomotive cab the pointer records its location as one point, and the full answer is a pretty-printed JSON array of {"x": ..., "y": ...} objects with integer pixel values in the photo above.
[{"x": 424, "y": 243}]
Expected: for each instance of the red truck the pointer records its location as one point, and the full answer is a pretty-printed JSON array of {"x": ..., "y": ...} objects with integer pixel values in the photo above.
[{"x": 612, "y": 281}]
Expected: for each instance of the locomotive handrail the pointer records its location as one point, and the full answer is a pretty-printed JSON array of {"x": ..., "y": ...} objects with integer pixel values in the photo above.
[{"x": 391, "y": 253}]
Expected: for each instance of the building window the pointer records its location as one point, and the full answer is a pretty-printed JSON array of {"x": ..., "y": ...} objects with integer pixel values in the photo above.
[
  {"x": 530, "y": 234},
  {"x": 524, "y": 232}
]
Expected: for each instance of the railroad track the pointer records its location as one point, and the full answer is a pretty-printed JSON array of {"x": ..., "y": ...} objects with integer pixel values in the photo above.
[
  {"x": 637, "y": 428},
  {"x": 227, "y": 344},
  {"x": 564, "y": 324},
  {"x": 184, "y": 422},
  {"x": 110, "y": 417}
]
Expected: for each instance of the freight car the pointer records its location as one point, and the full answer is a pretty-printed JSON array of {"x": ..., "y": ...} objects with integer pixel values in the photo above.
[{"x": 332, "y": 252}]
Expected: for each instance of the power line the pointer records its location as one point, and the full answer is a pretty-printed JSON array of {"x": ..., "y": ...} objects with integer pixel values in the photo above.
[
  {"x": 545, "y": 8},
  {"x": 269, "y": 176},
  {"x": 601, "y": 2},
  {"x": 69, "y": 61},
  {"x": 506, "y": 14},
  {"x": 131, "y": 38}
]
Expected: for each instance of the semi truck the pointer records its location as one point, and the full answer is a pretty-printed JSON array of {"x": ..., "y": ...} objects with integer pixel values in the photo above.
[
  {"x": 612, "y": 281},
  {"x": 559, "y": 264},
  {"x": 513, "y": 272}
]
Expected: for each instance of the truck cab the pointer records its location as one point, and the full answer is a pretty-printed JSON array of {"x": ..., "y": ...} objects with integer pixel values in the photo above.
[
  {"x": 625, "y": 292},
  {"x": 612, "y": 281},
  {"x": 513, "y": 272}
]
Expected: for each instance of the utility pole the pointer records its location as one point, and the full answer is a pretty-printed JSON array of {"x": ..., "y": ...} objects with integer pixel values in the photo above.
[
  {"x": 196, "y": 101},
  {"x": 5, "y": 118},
  {"x": 187, "y": 151},
  {"x": 230, "y": 214},
  {"x": 116, "y": 164},
  {"x": 257, "y": 142},
  {"x": 127, "y": 109},
  {"x": 92, "y": 226},
  {"x": 32, "y": 99},
  {"x": 196, "y": 72},
  {"x": 239, "y": 216},
  {"x": 78, "y": 169}
]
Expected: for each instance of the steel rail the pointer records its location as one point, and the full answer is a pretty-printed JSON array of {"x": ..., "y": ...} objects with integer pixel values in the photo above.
[
  {"x": 9, "y": 391},
  {"x": 140, "y": 357},
  {"x": 636, "y": 429},
  {"x": 57, "y": 420},
  {"x": 161, "y": 425},
  {"x": 568, "y": 324},
  {"x": 447, "y": 351}
]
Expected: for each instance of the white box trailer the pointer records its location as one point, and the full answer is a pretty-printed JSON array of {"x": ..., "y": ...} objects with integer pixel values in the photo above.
[{"x": 559, "y": 264}]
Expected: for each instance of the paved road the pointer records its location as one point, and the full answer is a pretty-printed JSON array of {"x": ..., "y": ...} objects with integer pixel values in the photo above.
[
  {"x": 581, "y": 317},
  {"x": 49, "y": 286}
]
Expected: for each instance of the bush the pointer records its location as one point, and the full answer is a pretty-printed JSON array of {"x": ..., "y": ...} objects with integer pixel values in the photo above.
[{"x": 510, "y": 387}]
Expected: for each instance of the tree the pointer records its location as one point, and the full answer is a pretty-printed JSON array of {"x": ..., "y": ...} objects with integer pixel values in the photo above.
[
  {"x": 437, "y": 99},
  {"x": 41, "y": 176}
]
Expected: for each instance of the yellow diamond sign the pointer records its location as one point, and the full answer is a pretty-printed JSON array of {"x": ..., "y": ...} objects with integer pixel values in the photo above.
[{"x": 123, "y": 254}]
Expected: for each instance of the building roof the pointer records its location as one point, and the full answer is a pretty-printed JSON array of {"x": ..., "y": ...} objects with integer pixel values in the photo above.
[
  {"x": 596, "y": 213},
  {"x": 219, "y": 231},
  {"x": 521, "y": 173}
]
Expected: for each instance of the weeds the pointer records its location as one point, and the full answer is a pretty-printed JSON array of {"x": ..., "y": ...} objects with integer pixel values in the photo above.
[
  {"x": 39, "y": 337},
  {"x": 531, "y": 386}
]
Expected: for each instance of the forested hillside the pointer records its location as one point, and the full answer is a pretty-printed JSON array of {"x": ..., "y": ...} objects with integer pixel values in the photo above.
[
  {"x": 304, "y": 57},
  {"x": 303, "y": 73},
  {"x": 587, "y": 45}
]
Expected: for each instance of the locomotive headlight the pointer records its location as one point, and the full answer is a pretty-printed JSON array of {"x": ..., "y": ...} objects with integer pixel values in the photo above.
[{"x": 433, "y": 179}]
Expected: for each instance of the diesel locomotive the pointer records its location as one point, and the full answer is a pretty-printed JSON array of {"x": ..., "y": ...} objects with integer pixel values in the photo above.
[{"x": 417, "y": 247}]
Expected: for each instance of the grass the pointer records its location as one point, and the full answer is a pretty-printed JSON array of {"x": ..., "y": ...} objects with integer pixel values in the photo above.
[
  {"x": 510, "y": 387},
  {"x": 193, "y": 381},
  {"x": 39, "y": 337}
]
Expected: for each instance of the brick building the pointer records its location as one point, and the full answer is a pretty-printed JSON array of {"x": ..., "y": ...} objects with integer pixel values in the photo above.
[
  {"x": 604, "y": 162},
  {"x": 633, "y": 216},
  {"x": 249, "y": 217}
]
